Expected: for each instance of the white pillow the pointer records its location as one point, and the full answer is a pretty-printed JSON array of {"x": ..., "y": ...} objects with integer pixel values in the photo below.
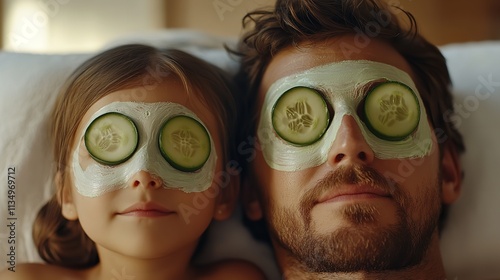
[
  {"x": 29, "y": 84},
  {"x": 471, "y": 238}
]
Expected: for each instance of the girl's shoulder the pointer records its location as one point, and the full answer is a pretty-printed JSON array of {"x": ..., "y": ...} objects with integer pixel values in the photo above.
[
  {"x": 38, "y": 271},
  {"x": 230, "y": 270}
]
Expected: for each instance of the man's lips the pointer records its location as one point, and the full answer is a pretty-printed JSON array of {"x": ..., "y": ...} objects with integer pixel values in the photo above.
[
  {"x": 352, "y": 192},
  {"x": 146, "y": 209}
]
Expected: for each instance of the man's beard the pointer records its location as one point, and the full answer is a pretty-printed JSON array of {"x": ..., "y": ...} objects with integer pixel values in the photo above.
[{"x": 363, "y": 246}]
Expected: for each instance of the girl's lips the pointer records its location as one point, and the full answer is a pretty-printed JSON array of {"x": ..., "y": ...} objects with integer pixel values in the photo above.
[
  {"x": 146, "y": 209},
  {"x": 146, "y": 213}
]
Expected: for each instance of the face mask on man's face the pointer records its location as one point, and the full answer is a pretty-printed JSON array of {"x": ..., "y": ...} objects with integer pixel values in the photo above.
[{"x": 344, "y": 87}]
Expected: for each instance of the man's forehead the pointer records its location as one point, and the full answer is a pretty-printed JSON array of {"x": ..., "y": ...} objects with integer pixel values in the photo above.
[{"x": 296, "y": 59}]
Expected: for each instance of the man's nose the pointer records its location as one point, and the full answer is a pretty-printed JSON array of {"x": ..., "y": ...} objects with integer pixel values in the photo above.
[
  {"x": 145, "y": 179},
  {"x": 350, "y": 146}
]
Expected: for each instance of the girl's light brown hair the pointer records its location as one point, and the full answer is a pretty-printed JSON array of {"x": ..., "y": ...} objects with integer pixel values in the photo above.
[{"x": 64, "y": 242}]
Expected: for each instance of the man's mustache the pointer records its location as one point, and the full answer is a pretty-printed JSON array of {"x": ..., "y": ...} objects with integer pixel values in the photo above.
[{"x": 348, "y": 175}]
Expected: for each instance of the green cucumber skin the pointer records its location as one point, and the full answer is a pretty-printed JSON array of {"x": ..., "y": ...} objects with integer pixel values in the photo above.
[
  {"x": 380, "y": 134},
  {"x": 285, "y": 137},
  {"x": 386, "y": 137},
  {"x": 172, "y": 162},
  {"x": 112, "y": 163}
]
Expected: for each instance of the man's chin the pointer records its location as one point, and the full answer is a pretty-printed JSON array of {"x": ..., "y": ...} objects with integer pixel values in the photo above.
[{"x": 354, "y": 249}]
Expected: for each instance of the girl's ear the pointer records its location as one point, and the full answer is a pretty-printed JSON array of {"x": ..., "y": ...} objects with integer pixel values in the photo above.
[
  {"x": 228, "y": 194},
  {"x": 65, "y": 198},
  {"x": 451, "y": 173}
]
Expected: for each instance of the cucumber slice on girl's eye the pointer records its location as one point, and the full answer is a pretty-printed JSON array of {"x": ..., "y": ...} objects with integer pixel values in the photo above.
[
  {"x": 184, "y": 143},
  {"x": 392, "y": 111},
  {"x": 300, "y": 116},
  {"x": 111, "y": 138}
]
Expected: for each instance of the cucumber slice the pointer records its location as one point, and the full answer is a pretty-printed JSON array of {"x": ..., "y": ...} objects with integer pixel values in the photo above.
[
  {"x": 111, "y": 138},
  {"x": 184, "y": 143},
  {"x": 300, "y": 116},
  {"x": 392, "y": 111}
]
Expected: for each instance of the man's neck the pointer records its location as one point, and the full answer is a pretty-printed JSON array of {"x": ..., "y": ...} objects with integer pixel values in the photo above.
[
  {"x": 430, "y": 268},
  {"x": 414, "y": 273}
]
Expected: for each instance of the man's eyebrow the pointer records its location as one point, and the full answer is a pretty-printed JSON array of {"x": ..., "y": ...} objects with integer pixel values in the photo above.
[{"x": 363, "y": 89}]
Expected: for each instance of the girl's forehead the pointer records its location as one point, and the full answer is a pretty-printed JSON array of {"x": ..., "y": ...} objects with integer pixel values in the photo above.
[{"x": 169, "y": 90}]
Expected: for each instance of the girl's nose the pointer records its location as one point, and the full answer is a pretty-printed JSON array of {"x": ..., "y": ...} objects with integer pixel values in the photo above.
[{"x": 145, "y": 179}]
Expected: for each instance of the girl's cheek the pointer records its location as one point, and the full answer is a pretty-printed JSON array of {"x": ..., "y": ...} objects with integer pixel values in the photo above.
[{"x": 83, "y": 155}]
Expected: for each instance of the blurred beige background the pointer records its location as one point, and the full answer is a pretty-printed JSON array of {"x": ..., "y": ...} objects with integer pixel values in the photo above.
[
  {"x": 441, "y": 21},
  {"x": 46, "y": 26}
]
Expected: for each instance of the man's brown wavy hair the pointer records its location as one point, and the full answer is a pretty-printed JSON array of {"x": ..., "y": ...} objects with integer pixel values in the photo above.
[{"x": 292, "y": 22}]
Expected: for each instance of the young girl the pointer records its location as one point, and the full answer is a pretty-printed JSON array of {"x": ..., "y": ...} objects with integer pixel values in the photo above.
[{"x": 142, "y": 139}]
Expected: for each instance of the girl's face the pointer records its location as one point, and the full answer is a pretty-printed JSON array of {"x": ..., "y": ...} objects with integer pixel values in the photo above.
[{"x": 144, "y": 216}]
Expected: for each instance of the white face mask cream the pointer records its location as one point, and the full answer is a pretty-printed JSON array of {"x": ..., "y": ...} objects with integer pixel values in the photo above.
[
  {"x": 343, "y": 86},
  {"x": 94, "y": 179}
]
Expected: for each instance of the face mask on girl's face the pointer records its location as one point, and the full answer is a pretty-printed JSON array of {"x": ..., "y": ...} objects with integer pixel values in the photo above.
[{"x": 94, "y": 179}]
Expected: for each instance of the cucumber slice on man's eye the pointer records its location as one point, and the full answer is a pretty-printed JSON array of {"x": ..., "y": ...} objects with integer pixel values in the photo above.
[
  {"x": 111, "y": 138},
  {"x": 392, "y": 111},
  {"x": 184, "y": 143},
  {"x": 300, "y": 116}
]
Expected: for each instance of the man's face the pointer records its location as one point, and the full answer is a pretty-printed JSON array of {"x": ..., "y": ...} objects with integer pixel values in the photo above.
[{"x": 354, "y": 211}]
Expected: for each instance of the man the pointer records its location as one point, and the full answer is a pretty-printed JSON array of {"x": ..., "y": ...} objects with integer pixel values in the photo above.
[{"x": 351, "y": 161}]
